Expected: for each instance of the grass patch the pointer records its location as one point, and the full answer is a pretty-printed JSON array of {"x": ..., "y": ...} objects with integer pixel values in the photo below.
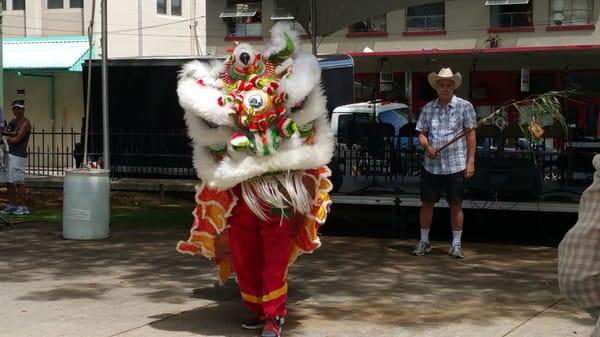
[
  {"x": 143, "y": 216},
  {"x": 39, "y": 215},
  {"x": 152, "y": 217}
]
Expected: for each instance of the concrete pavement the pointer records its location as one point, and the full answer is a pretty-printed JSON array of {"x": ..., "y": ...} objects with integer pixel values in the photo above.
[{"x": 135, "y": 284}]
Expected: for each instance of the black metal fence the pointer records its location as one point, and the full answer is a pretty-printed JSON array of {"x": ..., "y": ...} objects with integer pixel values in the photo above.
[
  {"x": 169, "y": 155},
  {"x": 51, "y": 152},
  {"x": 133, "y": 154},
  {"x": 150, "y": 154}
]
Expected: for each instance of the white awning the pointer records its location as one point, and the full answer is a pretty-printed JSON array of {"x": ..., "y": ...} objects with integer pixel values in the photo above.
[
  {"x": 241, "y": 10},
  {"x": 281, "y": 14},
  {"x": 505, "y": 2},
  {"x": 64, "y": 53}
]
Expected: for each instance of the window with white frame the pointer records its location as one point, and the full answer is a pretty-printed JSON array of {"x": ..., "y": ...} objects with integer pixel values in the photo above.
[
  {"x": 375, "y": 24},
  {"x": 243, "y": 18},
  {"x": 17, "y": 5},
  {"x": 282, "y": 14},
  {"x": 571, "y": 12},
  {"x": 507, "y": 13},
  {"x": 161, "y": 7},
  {"x": 175, "y": 7},
  {"x": 13, "y": 5},
  {"x": 168, "y": 7},
  {"x": 60, "y": 4},
  {"x": 55, "y": 4},
  {"x": 76, "y": 3},
  {"x": 426, "y": 17}
]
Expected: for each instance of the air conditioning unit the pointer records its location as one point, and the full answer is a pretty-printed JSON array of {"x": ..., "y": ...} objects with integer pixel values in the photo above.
[
  {"x": 386, "y": 81},
  {"x": 558, "y": 16}
]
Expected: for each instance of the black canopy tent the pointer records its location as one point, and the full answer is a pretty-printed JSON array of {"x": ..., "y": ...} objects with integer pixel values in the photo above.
[{"x": 147, "y": 130}]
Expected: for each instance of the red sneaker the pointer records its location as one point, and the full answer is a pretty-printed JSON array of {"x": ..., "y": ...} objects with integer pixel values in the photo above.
[{"x": 272, "y": 327}]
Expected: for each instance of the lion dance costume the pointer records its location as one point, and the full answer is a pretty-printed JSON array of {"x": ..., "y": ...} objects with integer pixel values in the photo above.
[{"x": 261, "y": 144}]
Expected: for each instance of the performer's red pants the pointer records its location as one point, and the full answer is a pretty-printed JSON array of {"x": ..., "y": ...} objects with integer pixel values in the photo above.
[{"x": 260, "y": 251}]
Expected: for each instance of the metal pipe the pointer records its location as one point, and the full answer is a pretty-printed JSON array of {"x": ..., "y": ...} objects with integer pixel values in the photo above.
[
  {"x": 88, "y": 94},
  {"x": 105, "y": 128},
  {"x": 196, "y": 24},
  {"x": 140, "y": 30},
  {"x": 313, "y": 25},
  {"x": 1, "y": 72}
]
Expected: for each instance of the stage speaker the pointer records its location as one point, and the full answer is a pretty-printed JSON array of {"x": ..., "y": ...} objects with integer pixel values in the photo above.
[{"x": 509, "y": 179}]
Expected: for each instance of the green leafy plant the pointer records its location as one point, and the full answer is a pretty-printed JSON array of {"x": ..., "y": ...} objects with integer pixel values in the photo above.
[{"x": 543, "y": 110}]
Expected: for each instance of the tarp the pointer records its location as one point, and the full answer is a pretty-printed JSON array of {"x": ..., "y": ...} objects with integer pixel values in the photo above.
[{"x": 333, "y": 15}]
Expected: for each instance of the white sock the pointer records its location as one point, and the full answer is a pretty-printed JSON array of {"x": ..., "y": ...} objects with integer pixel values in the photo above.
[
  {"x": 425, "y": 235},
  {"x": 456, "y": 237}
]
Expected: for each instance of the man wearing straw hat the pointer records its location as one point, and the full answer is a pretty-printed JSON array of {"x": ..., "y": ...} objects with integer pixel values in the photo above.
[{"x": 440, "y": 121}]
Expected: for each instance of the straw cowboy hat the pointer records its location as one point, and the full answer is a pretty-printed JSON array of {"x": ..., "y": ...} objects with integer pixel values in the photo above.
[{"x": 445, "y": 74}]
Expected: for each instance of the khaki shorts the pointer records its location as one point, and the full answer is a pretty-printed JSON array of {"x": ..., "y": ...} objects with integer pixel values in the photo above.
[{"x": 14, "y": 171}]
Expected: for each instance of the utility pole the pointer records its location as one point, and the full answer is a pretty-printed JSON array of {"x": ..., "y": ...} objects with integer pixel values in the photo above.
[
  {"x": 1, "y": 69},
  {"x": 140, "y": 31},
  {"x": 105, "y": 128}
]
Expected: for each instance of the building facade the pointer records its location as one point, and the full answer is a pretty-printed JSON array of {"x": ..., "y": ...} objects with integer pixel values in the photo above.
[
  {"x": 55, "y": 29},
  {"x": 505, "y": 49}
]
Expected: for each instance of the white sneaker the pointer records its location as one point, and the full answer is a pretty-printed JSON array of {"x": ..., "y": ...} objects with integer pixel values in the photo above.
[
  {"x": 456, "y": 251},
  {"x": 21, "y": 210},
  {"x": 422, "y": 248},
  {"x": 9, "y": 209}
]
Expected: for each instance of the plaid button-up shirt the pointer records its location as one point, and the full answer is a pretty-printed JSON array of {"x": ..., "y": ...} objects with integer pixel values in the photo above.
[
  {"x": 579, "y": 254},
  {"x": 441, "y": 125}
]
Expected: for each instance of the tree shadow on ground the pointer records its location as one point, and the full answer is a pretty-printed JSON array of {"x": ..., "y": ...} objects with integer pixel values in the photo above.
[{"x": 374, "y": 281}]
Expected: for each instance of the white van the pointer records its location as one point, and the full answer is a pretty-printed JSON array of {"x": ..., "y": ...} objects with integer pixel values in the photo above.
[
  {"x": 396, "y": 114},
  {"x": 348, "y": 121},
  {"x": 350, "y": 125}
]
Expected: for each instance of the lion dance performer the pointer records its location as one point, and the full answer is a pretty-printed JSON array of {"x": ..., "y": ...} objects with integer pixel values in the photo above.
[{"x": 261, "y": 144}]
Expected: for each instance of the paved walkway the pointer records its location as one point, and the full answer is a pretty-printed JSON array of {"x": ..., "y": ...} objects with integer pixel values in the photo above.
[{"x": 135, "y": 285}]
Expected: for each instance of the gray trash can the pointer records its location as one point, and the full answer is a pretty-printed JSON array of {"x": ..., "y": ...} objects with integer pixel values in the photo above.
[{"x": 86, "y": 204}]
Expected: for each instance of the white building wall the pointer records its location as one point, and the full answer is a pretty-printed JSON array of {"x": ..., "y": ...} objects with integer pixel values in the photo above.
[
  {"x": 174, "y": 38},
  {"x": 33, "y": 17},
  {"x": 122, "y": 28},
  {"x": 66, "y": 21},
  {"x": 68, "y": 99},
  {"x": 13, "y": 23},
  {"x": 467, "y": 22}
]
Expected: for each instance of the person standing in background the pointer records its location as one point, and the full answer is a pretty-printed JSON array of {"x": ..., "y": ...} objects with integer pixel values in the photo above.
[
  {"x": 13, "y": 174},
  {"x": 440, "y": 121}
]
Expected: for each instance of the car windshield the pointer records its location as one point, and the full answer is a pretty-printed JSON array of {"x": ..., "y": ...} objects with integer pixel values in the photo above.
[
  {"x": 352, "y": 127},
  {"x": 395, "y": 117}
]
